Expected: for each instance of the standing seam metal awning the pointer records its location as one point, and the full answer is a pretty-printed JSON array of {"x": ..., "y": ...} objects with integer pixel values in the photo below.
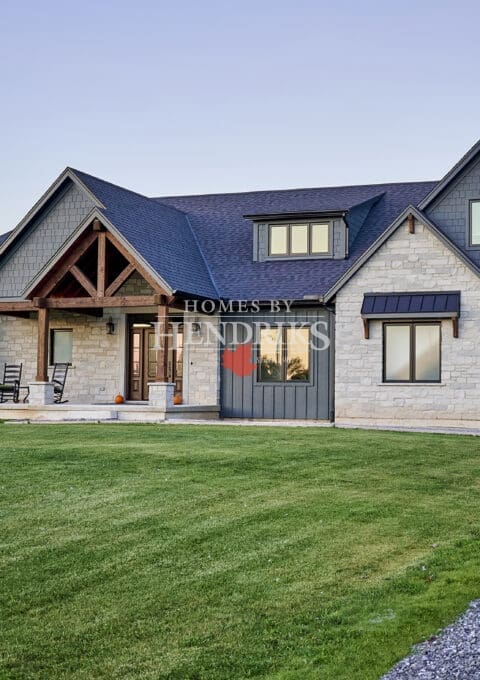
[
  {"x": 417, "y": 305},
  {"x": 442, "y": 304}
]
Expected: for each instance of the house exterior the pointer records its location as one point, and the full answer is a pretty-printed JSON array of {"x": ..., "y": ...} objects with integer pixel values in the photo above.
[{"x": 355, "y": 305}]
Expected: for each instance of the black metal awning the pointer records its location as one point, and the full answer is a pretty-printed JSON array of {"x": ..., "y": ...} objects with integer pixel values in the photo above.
[
  {"x": 425, "y": 305},
  {"x": 411, "y": 305}
]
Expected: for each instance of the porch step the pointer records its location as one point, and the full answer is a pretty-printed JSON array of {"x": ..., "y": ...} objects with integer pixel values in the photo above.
[{"x": 102, "y": 413}]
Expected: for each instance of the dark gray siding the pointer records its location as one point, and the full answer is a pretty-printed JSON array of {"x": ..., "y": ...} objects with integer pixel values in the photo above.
[
  {"x": 247, "y": 398},
  {"x": 450, "y": 211},
  {"x": 41, "y": 241}
]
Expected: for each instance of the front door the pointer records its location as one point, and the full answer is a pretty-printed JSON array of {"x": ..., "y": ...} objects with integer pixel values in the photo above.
[{"x": 143, "y": 360}]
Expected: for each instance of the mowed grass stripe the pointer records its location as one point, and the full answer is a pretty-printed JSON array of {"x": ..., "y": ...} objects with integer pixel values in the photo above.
[{"x": 226, "y": 552}]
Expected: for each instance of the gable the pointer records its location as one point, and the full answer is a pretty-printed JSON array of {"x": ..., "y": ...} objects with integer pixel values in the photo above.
[
  {"x": 41, "y": 239},
  {"x": 95, "y": 264},
  {"x": 450, "y": 210},
  {"x": 408, "y": 262}
]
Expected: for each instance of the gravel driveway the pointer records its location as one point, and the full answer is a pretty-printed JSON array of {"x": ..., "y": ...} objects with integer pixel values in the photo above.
[{"x": 453, "y": 655}]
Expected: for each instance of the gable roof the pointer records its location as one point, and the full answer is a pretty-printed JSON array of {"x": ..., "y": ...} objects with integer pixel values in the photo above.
[
  {"x": 202, "y": 245},
  {"x": 385, "y": 235},
  {"x": 161, "y": 234},
  {"x": 226, "y": 238},
  {"x": 3, "y": 237},
  {"x": 450, "y": 176}
]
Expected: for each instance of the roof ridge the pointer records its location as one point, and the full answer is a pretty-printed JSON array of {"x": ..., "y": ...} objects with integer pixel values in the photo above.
[
  {"x": 265, "y": 191},
  {"x": 130, "y": 191},
  {"x": 202, "y": 255}
]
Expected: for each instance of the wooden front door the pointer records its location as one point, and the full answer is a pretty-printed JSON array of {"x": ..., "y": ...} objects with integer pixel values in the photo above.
[{"x": 143, "y": 361}]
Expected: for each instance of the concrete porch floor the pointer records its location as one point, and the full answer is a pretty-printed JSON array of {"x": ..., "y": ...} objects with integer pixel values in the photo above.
[{"x": 96, "y": 413}]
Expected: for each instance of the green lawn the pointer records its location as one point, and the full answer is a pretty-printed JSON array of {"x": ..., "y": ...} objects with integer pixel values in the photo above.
[{"x": 230, "y": 552}]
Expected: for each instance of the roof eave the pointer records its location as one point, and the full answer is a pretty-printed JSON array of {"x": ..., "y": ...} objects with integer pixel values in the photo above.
[
  {"x": 386, "y": 235},
  {"x": 450, "y": 176},
  {"x": 55, "y": 186}
]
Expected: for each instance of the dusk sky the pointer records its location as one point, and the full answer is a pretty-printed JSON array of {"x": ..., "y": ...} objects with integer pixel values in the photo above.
[{"x": 196, "y": 97}]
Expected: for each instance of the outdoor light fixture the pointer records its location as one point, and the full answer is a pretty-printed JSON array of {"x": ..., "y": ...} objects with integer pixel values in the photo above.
[
  {"x": 196, "y": 328},
  {"x": 110, "y": 327}
]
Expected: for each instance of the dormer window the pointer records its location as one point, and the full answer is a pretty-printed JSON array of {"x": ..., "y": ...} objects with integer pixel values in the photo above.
[
  {"x": 299, "y": 240},
  {"x": 475, "y": 223}
]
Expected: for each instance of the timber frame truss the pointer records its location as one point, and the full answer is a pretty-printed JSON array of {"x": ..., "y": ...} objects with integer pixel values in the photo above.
[{"x": 86, "y": 279}]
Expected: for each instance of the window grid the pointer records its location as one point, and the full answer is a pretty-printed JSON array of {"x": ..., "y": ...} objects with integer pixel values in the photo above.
[
  {"x": 284, "y": 357},
  {"x": 412, "y": 352},
  {"x": 309, "y": 250}
]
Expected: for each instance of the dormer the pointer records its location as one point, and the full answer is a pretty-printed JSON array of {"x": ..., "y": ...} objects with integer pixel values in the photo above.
[{"x": 299, "y": 236}]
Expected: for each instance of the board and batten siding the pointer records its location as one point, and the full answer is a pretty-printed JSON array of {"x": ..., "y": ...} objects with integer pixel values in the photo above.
[{"x": 247, "y": 398}]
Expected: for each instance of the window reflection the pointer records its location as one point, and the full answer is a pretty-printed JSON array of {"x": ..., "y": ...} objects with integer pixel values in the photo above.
[
  {"x": 427, "y": 352},
  {"x": 297, "y": 353},
  {"x": 284, "y": 354},
  {"x": 270, "y": 354}
]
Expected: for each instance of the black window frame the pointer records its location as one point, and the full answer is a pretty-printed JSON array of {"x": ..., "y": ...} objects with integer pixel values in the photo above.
[
  {"x": 470, "y": 223},
  {"x": 412, "y": 325},
  {"x": 52, "y": 344},
  {"x": 309, "y": 253},
  {"x": 284, "y": 365}
]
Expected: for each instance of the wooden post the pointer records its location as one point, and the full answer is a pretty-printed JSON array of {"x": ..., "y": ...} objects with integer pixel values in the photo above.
[
  {"x": 411, "y": 224},
  {"x": 42, "y": 345},
  {"x": 366, "y": 329},
  {"x": 455, "y": 326},
  {"x": 162, "y": 344},
  {"x": 102, "y": 266}
]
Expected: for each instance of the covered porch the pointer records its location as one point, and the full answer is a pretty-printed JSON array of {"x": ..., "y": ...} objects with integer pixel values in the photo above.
[{"x": 124, "y": 332}]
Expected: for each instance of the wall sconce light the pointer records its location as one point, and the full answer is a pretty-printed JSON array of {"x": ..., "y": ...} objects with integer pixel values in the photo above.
[
  {"x": 110, "y": 326},
  {"x": 196, "y": 327}
]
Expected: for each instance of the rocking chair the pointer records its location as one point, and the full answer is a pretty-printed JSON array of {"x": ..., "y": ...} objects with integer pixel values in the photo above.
[
  {"x": 59, "y": 379},
  {"x": 10, "y": 386}
]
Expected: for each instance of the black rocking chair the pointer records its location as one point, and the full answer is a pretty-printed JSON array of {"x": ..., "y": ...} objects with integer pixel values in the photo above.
[
  {"x": 59, "y": 378},
  {"x": 10, "y": 386}
]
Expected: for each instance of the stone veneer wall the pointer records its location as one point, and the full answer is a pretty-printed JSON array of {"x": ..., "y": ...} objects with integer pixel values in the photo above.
[
  {"x": 408, "y": 262},
  {"x": 98, "y": 367},
  {"x": 135, "y": 285},
  {"x": 97, "y": 372},
  {"x": 201, "y": 386}
]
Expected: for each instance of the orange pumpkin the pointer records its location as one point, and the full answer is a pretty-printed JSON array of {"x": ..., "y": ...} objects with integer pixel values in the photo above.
[
  {"x": 119, "y": 399},
  {"x": 177, "y": 399}
]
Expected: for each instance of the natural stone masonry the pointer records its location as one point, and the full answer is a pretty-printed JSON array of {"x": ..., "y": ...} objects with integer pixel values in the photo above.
[
  {"x": 135, "y": 285},
  {"x": 97, "y": 372},
  {"x": 202, "y": 362},
  {"x": 43, "y": 240},
  {"x": 408, "y": 262},
  {"x": 98, "y": 367}
]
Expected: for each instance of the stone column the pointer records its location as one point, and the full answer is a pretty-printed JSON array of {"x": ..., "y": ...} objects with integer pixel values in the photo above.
[
  {"x": 41, "y": 393},
  {"x": 160, "y": 395}
]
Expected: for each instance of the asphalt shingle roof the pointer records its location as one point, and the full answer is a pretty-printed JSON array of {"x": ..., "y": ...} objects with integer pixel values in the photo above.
[
  {"x": 160, "y": 233},
  {"x": 202, "y": 245},
  {"x": 226, "y": 238}
]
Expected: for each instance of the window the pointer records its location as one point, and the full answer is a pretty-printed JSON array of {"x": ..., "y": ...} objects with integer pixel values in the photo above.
[
  {"x": 299, "y": 240},
  {"x": 475, "y": 223},
  {"x": 284, "y": 354},
  {"x": 411, "y": 352},
  {"x": 61, "y": 344}
]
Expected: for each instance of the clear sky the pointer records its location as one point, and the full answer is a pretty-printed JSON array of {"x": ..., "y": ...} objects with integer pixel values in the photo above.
[{"x": 193, "y": 97}]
